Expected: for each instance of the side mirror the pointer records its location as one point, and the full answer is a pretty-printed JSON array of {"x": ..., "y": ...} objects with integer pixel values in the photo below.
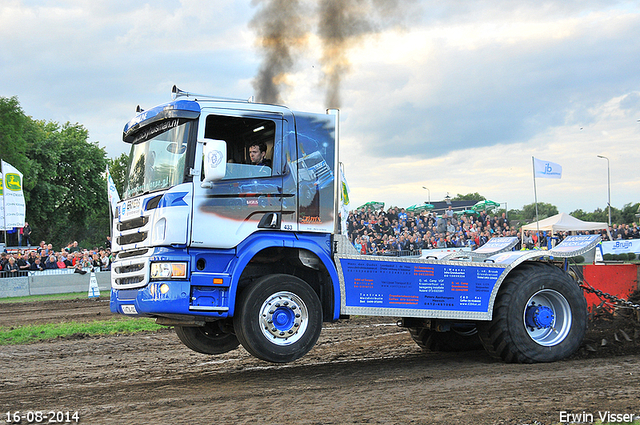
[{"x": 215, "y": 160}]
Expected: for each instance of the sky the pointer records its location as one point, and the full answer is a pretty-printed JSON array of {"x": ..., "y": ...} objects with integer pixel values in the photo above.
[{"x": 450, "y": 95}]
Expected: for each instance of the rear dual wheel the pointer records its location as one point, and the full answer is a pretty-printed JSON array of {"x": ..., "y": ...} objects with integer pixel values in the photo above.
[
  {"x": 212, "y": 338},
  {"x": 540, "y": 315},
  {"x": 458, "y": 338}
]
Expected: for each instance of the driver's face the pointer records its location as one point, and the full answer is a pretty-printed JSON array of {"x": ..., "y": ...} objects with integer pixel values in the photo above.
[{"x": 255, "y": 154}]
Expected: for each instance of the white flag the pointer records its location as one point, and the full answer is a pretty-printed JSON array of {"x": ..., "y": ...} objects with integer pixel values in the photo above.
[
  {"x": 12, "y": 196},
  {"x": 344, "y": 201},
  {"x": 114, "y": 198},
  {"x": 1, "y": 202},
  {"x": 546, "y": 169}
]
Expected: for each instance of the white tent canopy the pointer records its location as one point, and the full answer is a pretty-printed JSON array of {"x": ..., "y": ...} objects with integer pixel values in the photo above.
[{"x": 564, "y": 223}]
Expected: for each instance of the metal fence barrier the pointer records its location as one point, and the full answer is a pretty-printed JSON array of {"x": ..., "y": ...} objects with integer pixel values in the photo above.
[{"x": 55, "y": 281}]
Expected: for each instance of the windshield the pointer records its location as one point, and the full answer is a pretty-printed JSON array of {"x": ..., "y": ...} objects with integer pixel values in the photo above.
[{"x": 157, "y": 157}]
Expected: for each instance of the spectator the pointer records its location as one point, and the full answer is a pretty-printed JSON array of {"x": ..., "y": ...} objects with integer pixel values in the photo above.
[
  {"x": 78, "y": 268},
  {"x": 26, "y": 234},
  {"x": 51, "y": 263},
  {"x": 11, "y": 268},
  {"x": 449, "y": 212},
  {"x": 105, "y": 260},
  {"x": 60, "y": 263},
  {"x": 36, "y": 265},
  {"x": 22, "y": 262},
  {"x": 441, "y": 225},
  {"x": 86, "y": 260},
  {"x": 96, "y": 263}
]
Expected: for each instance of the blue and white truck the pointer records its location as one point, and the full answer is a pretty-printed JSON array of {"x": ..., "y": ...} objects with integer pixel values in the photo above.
[{"x": 230, "y": 251}]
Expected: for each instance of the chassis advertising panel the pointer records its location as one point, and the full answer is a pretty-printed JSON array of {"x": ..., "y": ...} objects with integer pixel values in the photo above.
[{"x": 418, "y": 288}]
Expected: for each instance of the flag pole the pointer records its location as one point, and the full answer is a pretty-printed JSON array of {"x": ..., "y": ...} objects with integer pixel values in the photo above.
[
  {"x": 4, "y": 207},
  {"x": 535, "y": 195}
]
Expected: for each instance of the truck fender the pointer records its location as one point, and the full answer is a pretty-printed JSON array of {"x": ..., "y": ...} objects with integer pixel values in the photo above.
[{"x": 263, "y": 240}]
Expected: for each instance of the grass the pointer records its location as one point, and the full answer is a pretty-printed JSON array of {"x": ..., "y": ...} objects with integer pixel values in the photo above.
[
  {"x": 36, "y": 333},
  {"x": 50, "y": 297}
]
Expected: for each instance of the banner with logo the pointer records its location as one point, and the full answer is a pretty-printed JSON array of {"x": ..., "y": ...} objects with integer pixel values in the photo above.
[
  {"x": 12, "y": 197},
  {"x": 546, "y": 169},
  {"x": 621, "y": 246},
  {"x": 114, "y": 198},
  {"x": 1, "y": 202}
]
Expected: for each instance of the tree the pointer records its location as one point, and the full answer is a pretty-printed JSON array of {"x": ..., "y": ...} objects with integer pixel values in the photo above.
[
  {"x": 598, "y": 215},
  {"x": 528, "y": 212},
  {"x": 627, "y": 214},
  {"x": 13, "y": 127},
  {"x": 71, "y": 186},
  {"x": 469, "y": 197},
  {"x": 118, "y": 167}
]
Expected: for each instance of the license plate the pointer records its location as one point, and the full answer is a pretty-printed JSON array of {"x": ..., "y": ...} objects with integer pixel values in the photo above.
[{"x": 129, "y": 309}]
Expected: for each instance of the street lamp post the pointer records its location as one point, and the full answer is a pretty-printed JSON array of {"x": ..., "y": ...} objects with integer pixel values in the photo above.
[
  {"x": 608, "y": 187},
  {"x": 429, "y": 193}
]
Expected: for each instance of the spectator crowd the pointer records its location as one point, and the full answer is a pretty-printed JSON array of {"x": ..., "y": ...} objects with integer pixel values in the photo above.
[
  {"x": 401, "y": 232},
  {"x": 395, "y": 232},
  {"x": 44, "y": 257}
]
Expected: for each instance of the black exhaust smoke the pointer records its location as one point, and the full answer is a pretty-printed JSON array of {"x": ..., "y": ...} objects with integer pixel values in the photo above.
[{"x": 283, "y": 29}]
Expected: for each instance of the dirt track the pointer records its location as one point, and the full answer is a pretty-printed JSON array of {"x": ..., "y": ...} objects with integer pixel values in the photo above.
[{"x": 361, "y": 371}]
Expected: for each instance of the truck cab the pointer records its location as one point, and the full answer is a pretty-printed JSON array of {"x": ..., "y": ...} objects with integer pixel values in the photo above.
[{"x": 199, "y": 221}]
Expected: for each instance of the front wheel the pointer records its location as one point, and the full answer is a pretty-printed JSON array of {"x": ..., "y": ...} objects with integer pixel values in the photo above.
[
  {"x": 279, "y": 318},
  {"x": 540, "y": 315},
  {"x": 212, "y": 338}
]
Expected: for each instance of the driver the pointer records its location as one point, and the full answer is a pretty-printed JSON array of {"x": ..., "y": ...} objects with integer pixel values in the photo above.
[{"x": 258, "y": 153}]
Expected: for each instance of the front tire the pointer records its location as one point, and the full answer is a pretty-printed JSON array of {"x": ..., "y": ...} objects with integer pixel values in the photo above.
[
  {"x": 540, "y": 315},
  {"x": 279, "y": 318},
  {"x": 212, "y": 338}
]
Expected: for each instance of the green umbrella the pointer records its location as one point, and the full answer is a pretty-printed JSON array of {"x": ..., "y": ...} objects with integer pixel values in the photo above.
[
  {"x": 373, "y": 205},
  {"x": 484, "y": 205},
  {"x": 419, "y": 207}
]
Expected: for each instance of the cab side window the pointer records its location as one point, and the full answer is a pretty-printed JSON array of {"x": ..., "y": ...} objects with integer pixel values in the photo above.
[{"x": 249, "y": 141}]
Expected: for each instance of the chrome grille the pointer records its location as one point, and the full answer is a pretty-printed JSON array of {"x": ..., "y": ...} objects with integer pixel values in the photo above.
[{"x": 132, "y": 238}]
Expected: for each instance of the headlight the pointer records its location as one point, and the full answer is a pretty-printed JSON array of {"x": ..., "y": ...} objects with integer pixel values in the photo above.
[{"x": 168, "y": 270}]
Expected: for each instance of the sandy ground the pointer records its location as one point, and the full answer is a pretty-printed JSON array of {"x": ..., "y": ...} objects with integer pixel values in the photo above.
[{"x": 363, "y": 370}]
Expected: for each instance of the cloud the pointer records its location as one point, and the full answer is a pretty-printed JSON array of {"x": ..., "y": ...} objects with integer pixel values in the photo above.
[
  {"x": 456, "y": 96},
  {"x": 459, "y": 94},
  {"x": 93, "y": 62},
  {"x": 503, "y": 172}
]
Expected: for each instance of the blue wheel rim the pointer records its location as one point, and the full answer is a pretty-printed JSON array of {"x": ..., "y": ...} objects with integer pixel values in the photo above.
[
  {"x": 283, "y": 318},
  {"x": 547, "y": 317}
]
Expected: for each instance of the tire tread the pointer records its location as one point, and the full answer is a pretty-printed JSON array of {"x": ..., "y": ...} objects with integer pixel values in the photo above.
[{"x": 496, "y": 335}]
